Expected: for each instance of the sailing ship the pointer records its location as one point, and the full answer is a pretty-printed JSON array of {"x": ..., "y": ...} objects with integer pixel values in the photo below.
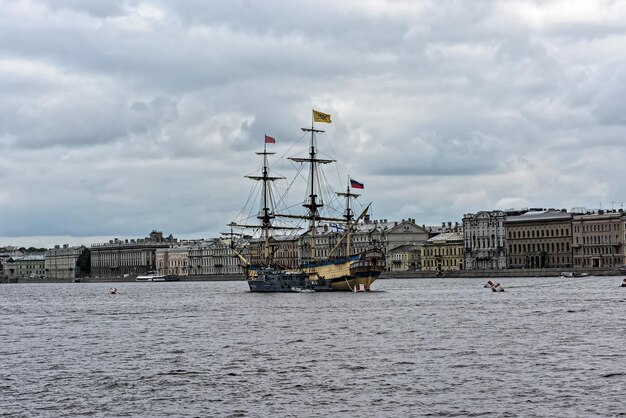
[{"x": 339, "y": 269}]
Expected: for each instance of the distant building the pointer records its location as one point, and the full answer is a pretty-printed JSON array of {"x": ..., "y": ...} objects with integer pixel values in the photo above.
[
  {"x": 283, "y": 251},
  {"x": 5, "y": 254},
  {"x": 173, "y": 260},
  {"x": 370, "y": 234},
  {"x": 405, "y": 232},
  {"x": 598, "y": 239},
  {"x": 403, "y": 258},
  {"x": 128, "y": 257},
  {"x": 540, "y": 239},
  {"x": 61, "y": 262},
  {"x": 443, "y": 252},
  {"x": 330, "y": 241},
  {"x": 32, "y": 266},
  {"x": 484, "y": 240},
  {"x": 393, "y": 238},
  {"x": 215, "y": 257}
]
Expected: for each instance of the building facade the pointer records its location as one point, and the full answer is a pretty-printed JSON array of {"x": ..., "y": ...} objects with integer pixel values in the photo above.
[
  {"x": 443, "y": 252},
  {"x": 7, "y": 253},
  {"x": 172, "y": 261},
  {"x": 62, "y": 262},
  {"x": 540, "y": 239},
  {"x": 128, "y": 257},
  {"x": 403, "y": 258},
  {"x": 598, "y": 239},
  {"x": 214, "y": 257},
  {"x": 32, "y": 266},
  {"x": 405, "y": 232},
  {"x": 484, "y": 239}
]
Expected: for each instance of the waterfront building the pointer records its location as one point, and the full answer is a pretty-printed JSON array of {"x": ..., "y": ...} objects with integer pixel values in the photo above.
[
  {"x": 403, "y": 258},
  {"x": 436, "y": 230},
  {"x": 283, "y": 250},
  {"x": 128, "y": 257},
  {"x": 598, "y": 239},
  {"x": 215, "y": 257},
  {"x": 390, "y": 236},
  {"x": 370, "y": 234},
  {"x": 328, "y": 242},
  {"x": 400, "y": 241},
  {"x": 484, "y": 240},
  {"x": 405, "y": 232},
  {"x": 5, "y": 254},
  {"x": 32, "y": 266},
  {"x": 62, "y": 262},
  {"x": 172, "y": 261},
  {"x": 331, "y": 240},
  {"x": 289, "y": 251},
  {"x": 540, "y": 239},
  {"x": 443, "y": 252}
]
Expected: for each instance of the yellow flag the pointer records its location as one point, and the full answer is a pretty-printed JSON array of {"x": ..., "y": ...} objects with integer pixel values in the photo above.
[{"x": 321, "y": 117}]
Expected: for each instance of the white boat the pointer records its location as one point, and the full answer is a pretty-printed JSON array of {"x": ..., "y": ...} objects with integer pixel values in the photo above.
[{"x": 156, "y": 278}]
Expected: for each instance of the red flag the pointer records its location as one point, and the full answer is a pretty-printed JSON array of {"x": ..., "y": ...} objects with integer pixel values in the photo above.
[
  {"x": 269, "y": 140},
  {"x": 355, "y": 184}
]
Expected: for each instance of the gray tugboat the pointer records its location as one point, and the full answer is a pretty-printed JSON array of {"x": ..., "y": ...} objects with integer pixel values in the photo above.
[{"x": 272, "y": 280}]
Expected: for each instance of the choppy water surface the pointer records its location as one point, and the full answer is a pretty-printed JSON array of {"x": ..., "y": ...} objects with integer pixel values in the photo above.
[{"x": 545, "y": 347}]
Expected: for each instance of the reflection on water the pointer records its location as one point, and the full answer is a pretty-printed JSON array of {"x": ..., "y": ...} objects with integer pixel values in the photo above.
[{"x": 547, "y": 347}]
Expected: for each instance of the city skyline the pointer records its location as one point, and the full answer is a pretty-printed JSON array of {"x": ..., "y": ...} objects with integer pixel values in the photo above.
[{"x": 118, "y": 118}]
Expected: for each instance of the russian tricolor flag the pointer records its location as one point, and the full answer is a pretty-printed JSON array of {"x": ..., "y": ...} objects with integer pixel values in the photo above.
[{"x": 355, "y": 184}]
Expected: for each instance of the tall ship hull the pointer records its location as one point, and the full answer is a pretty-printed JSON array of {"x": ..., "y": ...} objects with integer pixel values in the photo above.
[
  {"x": 339, "y": 274},
  {"x": 266, "y": 280},
  {"x": 347, "y": 273}
]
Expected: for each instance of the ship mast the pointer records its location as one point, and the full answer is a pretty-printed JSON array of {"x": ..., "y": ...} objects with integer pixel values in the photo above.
[
  {"x": 265, "y": 216},
  {"x": 313, "y": 203},
  {"x": 348, "y": 214},
  {"x": 266, "y": 212}
]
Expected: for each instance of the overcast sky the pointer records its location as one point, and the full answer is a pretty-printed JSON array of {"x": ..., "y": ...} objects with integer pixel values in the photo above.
[{"x": 120, "y": 117}]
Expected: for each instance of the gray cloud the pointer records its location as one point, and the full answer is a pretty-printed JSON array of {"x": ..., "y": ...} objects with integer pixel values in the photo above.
[{"x": 112, "y": 108}]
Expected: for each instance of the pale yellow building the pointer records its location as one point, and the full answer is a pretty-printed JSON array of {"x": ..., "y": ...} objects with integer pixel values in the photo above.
[
  {"x": 598, "y": 240},
  {"x": 443, "y": 252},
  {"x": 403, "y": 258},
  {"x": 173, "y": 261},
  {"x": 540, "y": 239}
]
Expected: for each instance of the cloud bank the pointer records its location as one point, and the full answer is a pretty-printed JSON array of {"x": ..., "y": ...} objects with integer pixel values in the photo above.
[{"x": 119, "y": 117}]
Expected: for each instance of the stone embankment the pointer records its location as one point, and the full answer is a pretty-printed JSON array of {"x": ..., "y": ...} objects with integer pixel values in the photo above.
[
  {"x": 498, "y": 273},
  {"x": 385, "y": 275}
]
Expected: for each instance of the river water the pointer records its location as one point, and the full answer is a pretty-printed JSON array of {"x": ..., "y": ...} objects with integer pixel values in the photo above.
[{"x": 427, "y": 347}]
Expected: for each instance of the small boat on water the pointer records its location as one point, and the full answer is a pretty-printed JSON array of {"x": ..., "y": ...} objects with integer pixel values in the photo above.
[
  {"x": 623, "y": 283},
  {"x": 156, "y": 278}
]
